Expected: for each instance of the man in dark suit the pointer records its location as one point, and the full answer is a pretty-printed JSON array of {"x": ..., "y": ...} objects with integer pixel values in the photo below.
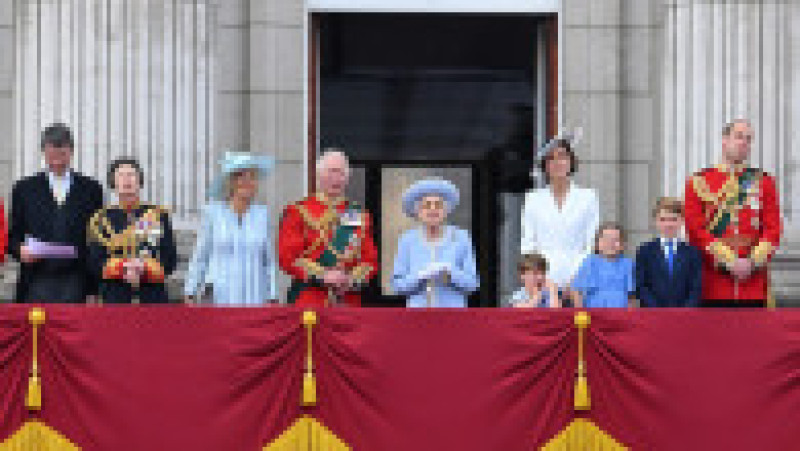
[
  {"x": 668, "y": 270},
  {"x": 53, "y": 206}
]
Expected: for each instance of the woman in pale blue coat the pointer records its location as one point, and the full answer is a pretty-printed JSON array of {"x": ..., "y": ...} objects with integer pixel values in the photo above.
[
  {"x": 435, "y": 262},
  {"x": 234, "y": 261}
]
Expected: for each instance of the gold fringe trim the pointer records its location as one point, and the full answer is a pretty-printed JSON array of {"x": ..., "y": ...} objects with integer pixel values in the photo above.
[
  {"x": 583, "y": 435},
  {"x": 723, "y": 254},
  {"x": 581, "y": 393},
  {"x": 307, "y": 434},
  {"x": 35, "y": 435},
  {"x": 312, "y": 269},
  {"x": 761, "y": 253},
  {"x": 359, "y": 273},
  {"x": 33, "y": 398},
  {"x": 309, "y": 395}
]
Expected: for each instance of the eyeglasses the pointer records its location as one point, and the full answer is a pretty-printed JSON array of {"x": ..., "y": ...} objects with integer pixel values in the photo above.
[{"x": 432, "y": 204}]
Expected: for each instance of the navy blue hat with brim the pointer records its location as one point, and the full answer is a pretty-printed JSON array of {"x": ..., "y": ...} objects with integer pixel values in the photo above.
[{"x": 430, "y": 187}]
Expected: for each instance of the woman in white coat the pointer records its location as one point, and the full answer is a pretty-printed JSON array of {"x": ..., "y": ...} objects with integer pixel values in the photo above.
[{"x": 561, "y": 219}]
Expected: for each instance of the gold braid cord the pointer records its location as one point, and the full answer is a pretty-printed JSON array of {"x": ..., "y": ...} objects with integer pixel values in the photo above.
[
  {"x": 723, "y": 254},
  {"x": 101, "y": 231},
  {"x": 729, "y": 190},
  {"x": 761, "y": 253}
]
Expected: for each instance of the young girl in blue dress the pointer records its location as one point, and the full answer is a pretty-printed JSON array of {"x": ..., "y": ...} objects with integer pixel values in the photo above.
[{"x": 605, "y": 278}]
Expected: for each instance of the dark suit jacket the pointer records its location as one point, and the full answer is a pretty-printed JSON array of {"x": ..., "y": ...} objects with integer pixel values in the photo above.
[
  {"x": 32, "y": 210},
  {"x": 656, "y": 287}
]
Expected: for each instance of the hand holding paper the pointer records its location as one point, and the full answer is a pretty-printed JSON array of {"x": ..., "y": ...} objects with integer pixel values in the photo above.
[{"x": 42, "y": 249}]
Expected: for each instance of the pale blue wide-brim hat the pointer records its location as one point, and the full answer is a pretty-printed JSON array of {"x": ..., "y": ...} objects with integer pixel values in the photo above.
[
  {"x": 430, "y": 187},
  {"x": 233, "y": 162}
]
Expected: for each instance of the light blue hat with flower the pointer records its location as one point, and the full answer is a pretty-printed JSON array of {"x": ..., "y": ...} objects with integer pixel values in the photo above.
[
  {"x": 430, "y": 187},
  {"x": 233, "y": 162}
]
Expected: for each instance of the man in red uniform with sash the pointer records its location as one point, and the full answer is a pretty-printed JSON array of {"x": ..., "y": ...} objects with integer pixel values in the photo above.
[
  {"x": 733, "y": 217},
  {"x": 325, "y": 241}
]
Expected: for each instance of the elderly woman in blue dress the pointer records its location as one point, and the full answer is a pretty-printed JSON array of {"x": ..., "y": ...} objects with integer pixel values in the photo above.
[
  {"x": 435, "y": 262},
  {"x": 234, "y": 261}
]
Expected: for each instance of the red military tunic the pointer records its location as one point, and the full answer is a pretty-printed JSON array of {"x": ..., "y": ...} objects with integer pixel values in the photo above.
[
  {"x": 307, "y": 231},
  {"x": 733, "y": 213}
]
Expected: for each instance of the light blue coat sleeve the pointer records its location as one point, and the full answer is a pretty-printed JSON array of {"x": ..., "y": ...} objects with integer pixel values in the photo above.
[
  {"x": 464, "y": 274},
  {"x": 630, "y": 284},
  {"x": 198, "y": 265},
  {"x": 269, "y": 261},
  {"x": 404, "y": 282},
  {"x": 585, "y": 280}
]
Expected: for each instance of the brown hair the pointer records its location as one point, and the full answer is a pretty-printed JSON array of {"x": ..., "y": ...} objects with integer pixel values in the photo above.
[
  {"x": 560, "y": 144},
  {"x": 609, "y": 225},
  {"x": 532, "y": 262},
  {"x": 669, "y": 205}
]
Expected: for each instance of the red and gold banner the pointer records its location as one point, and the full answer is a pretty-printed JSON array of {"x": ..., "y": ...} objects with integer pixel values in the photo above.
[{"x": 135, "y": 378}]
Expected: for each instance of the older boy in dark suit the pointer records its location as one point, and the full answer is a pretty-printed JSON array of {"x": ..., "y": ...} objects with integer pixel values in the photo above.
[{"x": 667, "y": 268}]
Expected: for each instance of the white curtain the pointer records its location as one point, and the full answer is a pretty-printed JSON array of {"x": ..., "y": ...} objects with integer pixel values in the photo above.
[
  {"x": 725, "y": 60},
  {"x": 131, "y": 78}
]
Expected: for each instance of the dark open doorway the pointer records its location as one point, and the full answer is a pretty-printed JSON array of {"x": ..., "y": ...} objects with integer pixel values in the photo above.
[{"x": 413, "y": 95}]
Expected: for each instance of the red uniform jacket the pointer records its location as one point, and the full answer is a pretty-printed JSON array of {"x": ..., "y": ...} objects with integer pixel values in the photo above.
[
  {"x": 307, "y": 231},
  {"x": 733, "y": 213}
]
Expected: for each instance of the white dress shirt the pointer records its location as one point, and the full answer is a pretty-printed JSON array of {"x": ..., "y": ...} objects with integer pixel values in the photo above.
[
  {"x": 564, "y": 236},
  {"x": 59, "y": 185},
  {"x": 675, "y": 242}
]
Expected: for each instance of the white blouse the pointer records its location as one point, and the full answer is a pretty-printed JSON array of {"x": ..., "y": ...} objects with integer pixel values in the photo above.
[{"x": 564, "y": 236}]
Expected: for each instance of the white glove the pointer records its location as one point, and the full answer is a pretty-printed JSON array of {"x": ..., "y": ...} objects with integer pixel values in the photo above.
[{"x": 434, "y": 270}]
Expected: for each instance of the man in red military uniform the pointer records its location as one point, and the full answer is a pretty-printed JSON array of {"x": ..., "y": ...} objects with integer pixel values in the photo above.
[
  {"x": 733, "y": 217},
  {"x": 325, "y": 241}
]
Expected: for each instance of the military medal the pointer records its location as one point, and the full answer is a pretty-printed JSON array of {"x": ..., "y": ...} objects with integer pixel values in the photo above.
[{"x": 351, "y": 218}]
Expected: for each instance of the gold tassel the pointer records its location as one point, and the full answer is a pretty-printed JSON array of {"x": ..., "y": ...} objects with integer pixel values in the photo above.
[
  {"x": 309, "y": 396},
  {"x": 582, "y": 400},
  {"x": 309, "y": 389},
  {"x": 33, "y": 399}
]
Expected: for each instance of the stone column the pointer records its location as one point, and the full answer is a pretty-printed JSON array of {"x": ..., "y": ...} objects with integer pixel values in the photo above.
[
  {"x": 591, "y": 94},
  {"x": 7, "y": 273},
  {"x": 275, "y": 95}
]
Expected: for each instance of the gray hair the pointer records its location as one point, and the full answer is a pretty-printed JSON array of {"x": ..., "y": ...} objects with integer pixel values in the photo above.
[
  {"x": 728, "y": 128},
  {"x": 327, "y": 154}
]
